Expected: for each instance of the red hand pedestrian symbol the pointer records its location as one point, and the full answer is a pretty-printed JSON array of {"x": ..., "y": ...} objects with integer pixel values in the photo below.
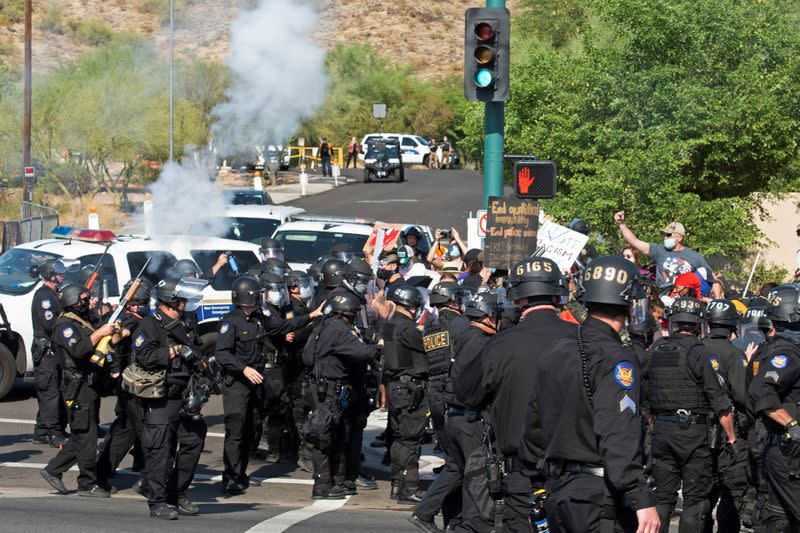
[{"x": 525, "y": 180}]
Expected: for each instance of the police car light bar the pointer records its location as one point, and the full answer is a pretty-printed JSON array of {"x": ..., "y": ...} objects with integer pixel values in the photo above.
[{"x": 82, "y": 234}]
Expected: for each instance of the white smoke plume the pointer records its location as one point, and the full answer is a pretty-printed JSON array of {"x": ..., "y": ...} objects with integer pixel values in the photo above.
[
  {"x": 278, "y": 80},
  {"x": 279, "y": 76}
]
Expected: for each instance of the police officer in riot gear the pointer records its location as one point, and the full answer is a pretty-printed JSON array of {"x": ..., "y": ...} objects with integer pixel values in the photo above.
[
  {"x": 730, "y": 363},
  {"x": 775, "y": 396},
  {"x": 240, "y": 352},
  {"x": 301, "y": 292},
  {"x": 271, "y": 248},
  {"x": 331, "y": 273},
  {"x": 74, "y": 340},
  {"x": 45, "y": 310},
  {"x": 405, "y": 372},
  {"x": 332, "y": 353},
  {"x": 277, "y": 431},
  {"x": 499, "y": 382},
  {"x": 126, "y": 430},
  {"x": 592, "y": 438},
  {"x": 276, "y": 266},
  {"x": 684, "y": 393},
  {"x": 172, "y": 441},
  {"x": 462, "y": 430},
  {"x": 343, "y": 253}
]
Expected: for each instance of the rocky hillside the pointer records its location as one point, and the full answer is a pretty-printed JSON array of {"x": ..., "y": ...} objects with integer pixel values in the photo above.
[{"x": 427, "y": 35}]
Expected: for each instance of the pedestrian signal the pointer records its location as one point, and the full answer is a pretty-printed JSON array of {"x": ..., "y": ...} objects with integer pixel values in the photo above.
[{"x": 535, "y": 179}]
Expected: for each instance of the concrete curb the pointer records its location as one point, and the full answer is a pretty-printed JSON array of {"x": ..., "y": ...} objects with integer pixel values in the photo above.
[{"x": 316, "y": 185}]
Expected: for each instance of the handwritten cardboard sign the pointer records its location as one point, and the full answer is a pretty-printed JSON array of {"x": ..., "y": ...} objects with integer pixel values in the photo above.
[{"x": 510, "y": 231}]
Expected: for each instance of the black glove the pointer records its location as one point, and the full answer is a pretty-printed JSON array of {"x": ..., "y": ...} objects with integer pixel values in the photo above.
[
  {"x": 187, "y": 354},
  {"x": 790, "y": 441}
]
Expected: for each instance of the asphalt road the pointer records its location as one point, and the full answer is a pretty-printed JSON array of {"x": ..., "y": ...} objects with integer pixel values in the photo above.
[
  {"x": 282, "y": 503},
  {"x": 436, "y": 198}
]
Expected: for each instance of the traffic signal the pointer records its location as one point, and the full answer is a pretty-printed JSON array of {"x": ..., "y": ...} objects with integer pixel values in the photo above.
[
  {"x": 535, "y": 179},
  {"x": 486, "y": 60}
]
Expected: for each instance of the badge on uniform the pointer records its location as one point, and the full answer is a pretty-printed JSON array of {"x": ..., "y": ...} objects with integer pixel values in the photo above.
[
  {"x": 48, "y": 315},
  {"x": 755, "y": 368},
  {"x": 714, "y": 363},
  {"x": 139, "y": 340},
  {"x": 627, "y": 403},
  {"x": 779, "y": 361},
  {"x": 289, "y": 315},
  {"x": 623, "y": 375},
  {"x": 67, "y": 332},
  {"x": 46, "y": 304},
  {"x": 224, "y": 327}
]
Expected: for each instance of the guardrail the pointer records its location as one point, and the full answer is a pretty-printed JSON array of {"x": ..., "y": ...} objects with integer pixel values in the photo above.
[
  {"x": 35, "y": 222},
  {"x": 310, "y": 153}
]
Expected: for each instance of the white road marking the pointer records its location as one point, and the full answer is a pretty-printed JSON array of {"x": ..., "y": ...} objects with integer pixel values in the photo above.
[
  {"x": 104, "y": 426},
  {"x": 198, "y": 476},
  {"x": 387, "y": 201},
  {"x": 284, "y": 521}
]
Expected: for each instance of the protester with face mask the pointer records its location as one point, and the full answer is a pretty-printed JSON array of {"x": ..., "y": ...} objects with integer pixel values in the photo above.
[
  {"x": 448, "y": 251},
  {"x": 672, "y": 257}
]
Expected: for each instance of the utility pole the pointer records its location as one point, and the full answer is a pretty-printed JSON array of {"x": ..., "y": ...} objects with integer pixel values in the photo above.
[
  {"x": 171, "y": 78},
  {"x": 493, "y": 122},
  {"x": 26, "y": 114}
]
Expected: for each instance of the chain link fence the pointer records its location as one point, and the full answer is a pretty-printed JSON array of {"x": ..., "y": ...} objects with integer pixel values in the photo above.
[{"x": 35, "y": 222}]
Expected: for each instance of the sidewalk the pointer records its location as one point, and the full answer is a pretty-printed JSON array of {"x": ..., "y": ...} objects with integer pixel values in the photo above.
[{"x": 287, "y": 192}]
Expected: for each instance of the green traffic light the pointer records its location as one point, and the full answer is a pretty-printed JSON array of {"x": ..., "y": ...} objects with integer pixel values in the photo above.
[{"x": 483, "y": 78}]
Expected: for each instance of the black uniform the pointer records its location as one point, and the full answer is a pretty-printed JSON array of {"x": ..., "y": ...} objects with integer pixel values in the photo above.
[
  {"x": 777, "y": 385},
  {"x": 297, "y": 375},
  {"x": 71, "y": 339},
  {"x": 51, "y": 417},
  {"x": 404, "y": 370},
  {"x": 440, "y": 342},
  {"x": 128, "y": 427},
  {"x": 500, "y": 382},
  {"x": 684, "y": 393},
  {"x": 730, "y": 465},
  {"x": 331, "y": 352},
  {"x": 172, "y": 442},
  {"x": 589, "y": 411},
  {"x": 277, "y": 432},
  {"x": 240, "y": 344}
]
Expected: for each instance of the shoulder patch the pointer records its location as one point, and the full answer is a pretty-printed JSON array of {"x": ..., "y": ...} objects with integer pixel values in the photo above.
[
  {"x": 421, "y": 327},
  {"x": 773, "y": 376},
  {"x": 139, "y": 340},
  {"x": 48, "y": 315},
  {"x": 714, "y": 363},
  {"x": 224, "y": 327},
  {"x": 267, "y": 313},
  {"x": 744, "y": 361},
  {"x": 327, "y": 310},
  {"x": 779, "y": 361},
  {"x": 289, "y": 315},
  {"x": 67, "y": 332},
  {"x": 46, "y": 304},
  {"x": 627, "y": 403},
  {"x": 623, "y": 375}
]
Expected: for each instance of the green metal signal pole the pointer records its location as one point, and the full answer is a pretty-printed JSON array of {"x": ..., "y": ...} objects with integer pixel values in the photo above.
[{"x": 493, "y": 120}]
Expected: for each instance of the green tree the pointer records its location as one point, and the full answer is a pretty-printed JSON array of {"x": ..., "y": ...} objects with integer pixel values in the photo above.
[{"x": 670, "y": 109}]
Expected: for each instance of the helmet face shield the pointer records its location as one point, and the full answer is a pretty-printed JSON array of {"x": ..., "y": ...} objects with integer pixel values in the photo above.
[
  {"x": 191, "y": 290},
  {"x": 345, "y": 256},
  {"x": 638, "y": 315},
  {"x": 276, "y": 294}
]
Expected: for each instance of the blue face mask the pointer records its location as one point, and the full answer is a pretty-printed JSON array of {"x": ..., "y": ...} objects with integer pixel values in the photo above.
[
  {"x": 669, "y": 244},
  {"x": 455, "y": 251}
]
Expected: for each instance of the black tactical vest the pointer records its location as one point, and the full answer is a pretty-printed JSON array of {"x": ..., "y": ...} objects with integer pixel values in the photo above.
[
  {"x": 672, "y": 386},
  {"x": 438, "y": 350}
]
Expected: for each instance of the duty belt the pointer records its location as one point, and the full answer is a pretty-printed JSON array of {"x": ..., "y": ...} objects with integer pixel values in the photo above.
[
  {"x": 408, "y": 380},
  {"x": 683, "y": 418},
  {"x": 556, "y": 468},
  {"x": 454, "y": 410}
]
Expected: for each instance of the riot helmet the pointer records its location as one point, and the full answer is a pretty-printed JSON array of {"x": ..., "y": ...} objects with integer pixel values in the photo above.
[
  {"x": 445, "y": 292},
  {"x": 315, "y": 270},
  {"x": 342, "y": 302},
  {"x": 357, "y": 276},
  {"x": 644, "y": 330},
  {"x": 50, "y": 270},
  {"x": 685, "y": 310},
  {"x": 184, "y": 268},
  {"x": 342, "y": 252},
  {"x": 755, "y": 317},
  {"x": 483, "y": 304},
  {"x": 303, "y": 282},
  {"x": 413, "y": 232},
  {"x": 332, "y": 271},
  {"x": 271, "y": 248},
  {"x": 610, "y": 280},
  {"x": 171, "y": 292},
  {"x": 73, "y": 296},
  {"x": 406, "y": 296},
  {"x": 722, "y": 313},
  {"x": 275, "y": 292},
  {"x": 784, "y": 304},
  {"x": 536, "y": 277},
  {"x": 246, "y": 291},
  {"x": 276, "y": 266}
]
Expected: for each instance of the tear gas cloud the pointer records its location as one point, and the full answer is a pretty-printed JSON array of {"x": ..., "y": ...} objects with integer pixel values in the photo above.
[{"x": 278, "y": 80}]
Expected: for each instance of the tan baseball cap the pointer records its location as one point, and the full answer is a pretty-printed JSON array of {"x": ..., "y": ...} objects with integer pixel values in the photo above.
[{"x": 675, "y": 227}]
